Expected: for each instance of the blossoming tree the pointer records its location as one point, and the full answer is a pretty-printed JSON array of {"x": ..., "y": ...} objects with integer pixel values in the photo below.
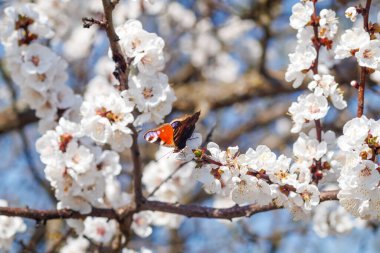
[{"x": 94, "y": 75}]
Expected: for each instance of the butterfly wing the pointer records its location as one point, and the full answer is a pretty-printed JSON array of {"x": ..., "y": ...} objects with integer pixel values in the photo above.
[
  {"x": 183, "y": 129},
  {"x": 163, "y": 134}
]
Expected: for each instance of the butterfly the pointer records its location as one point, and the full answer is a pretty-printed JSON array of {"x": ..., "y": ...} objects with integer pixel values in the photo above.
[{"x": 173, "y": 134}]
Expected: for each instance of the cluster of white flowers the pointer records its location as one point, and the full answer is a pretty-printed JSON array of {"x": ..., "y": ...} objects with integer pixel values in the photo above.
[
  {"x": 78, "y": 170},
  {"x": 81, "y": 244},
  {"x": 106, "y": 117},
  {"x": 302, "y": 60},
  {"x": 358, "y": 42},
  {"x": 314, "y": 153},
  {"x": 100, "y": 230},
  {"x": 314, "y": 106},
  {"x": 330, "y": 218},
  {"x": 38, "y": 71},
  {"x": 148, "y": 87},
  {"x": 307, "y": 149},
  {"x": 9, "y": 226},
  {"x": 258, "y": 177},
  {"x": 84, "y": 176},
  {"x": 360, "y": 177},
  {"x": 174, "y": 190},
  {"x": 77, "y": 245},
  {"x": 305, "y": 54}
]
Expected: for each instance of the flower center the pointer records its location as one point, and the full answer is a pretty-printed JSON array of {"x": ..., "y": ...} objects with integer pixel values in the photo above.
[
  {"x": 41, "y": 77},
  {"x": 101, "y": 231},
  {"x": 147, "y": 93},
  {"x": 35, "y": 60},
  {"x": 64, "y": 140},
  {"x": 146, "y": 60},
  {"x": 314, "y": 109},
  {"x": 306, "y": 195},
  {"x": 366, "y": 172},
  {"x": 135, "y": 43},
  {"x": 103, "y": 112},
  {"x": 368, "y": 53}
]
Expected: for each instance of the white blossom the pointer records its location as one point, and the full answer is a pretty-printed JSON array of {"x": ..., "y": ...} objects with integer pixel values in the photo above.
[
  {"x": 100, "y": 230},
  {"x": 328, "y": 24},
  {"x": 105, "y": 120},
  {"x": 307, "y": 108},
  {"x": 301, "y": 14},
  {"x": 141, "y": 223},
  {"x": 351, "y": 13},
  {"x": 75, "y": 245},
  {"x": 360, "y": 177},
  {"x": 300, "y": 62},
  {"x": 9, "y": 226}
]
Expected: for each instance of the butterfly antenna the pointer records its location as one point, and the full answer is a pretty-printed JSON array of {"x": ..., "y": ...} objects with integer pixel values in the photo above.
[
  {"x": 193, "y": 138},
  {"x": 166, "y": 154}
]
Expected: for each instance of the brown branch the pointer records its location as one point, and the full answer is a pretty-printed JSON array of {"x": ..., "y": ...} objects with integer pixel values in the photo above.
[
  {"x": 361, "y": 91},
  {"x": 365, "y": 14},
  {"x": 10, "y": 120},
  {"x": 61, "y": 240},
  {"x": 318, "y": 126},
  {"x": 137, "y": 169},
  {"x": 316, "y": 40},
  {"x": 186, "y": 210},
  {"x": 88, "y": 22},
  {"x": 363, "y": 70},
  {"x": 36, "y": 238},
  {"x": 121, "y": 73},
  {"x": 121, "y": 69},
  {"x": 220, "y": 213},
  {"x": 44, "y": 215}
]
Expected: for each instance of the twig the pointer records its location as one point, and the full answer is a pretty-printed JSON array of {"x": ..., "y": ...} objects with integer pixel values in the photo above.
[
  {"x": 318, "y": 126},
  {"x": 88, "y": 22},
  {"x": 56, "y": 245},
  {"x": 316, "y": 40},
  {"x": 167, "y": 179},
  {"x": 209, "y": 135},
  {"x": 361, "y": 91}
]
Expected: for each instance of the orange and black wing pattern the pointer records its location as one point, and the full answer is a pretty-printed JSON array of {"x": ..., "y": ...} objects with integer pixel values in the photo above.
[
  {"x": 183, "y": 129},
  {"x": 163, "y": 134},
  {"x": 174, "y": 134}
]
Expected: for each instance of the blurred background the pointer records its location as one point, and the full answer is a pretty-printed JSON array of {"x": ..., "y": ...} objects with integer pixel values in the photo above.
[{"x": 225, "y": 58}]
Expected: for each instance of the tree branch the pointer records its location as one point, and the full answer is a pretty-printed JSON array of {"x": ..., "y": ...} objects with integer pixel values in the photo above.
[
  {"x": 137, "y": 173},
  {"x": 121, "y": 69},
  {"x": 44, "y": 215},
  {"x": 363, "y": 70},
  {"x": 185, "y": 210}
]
